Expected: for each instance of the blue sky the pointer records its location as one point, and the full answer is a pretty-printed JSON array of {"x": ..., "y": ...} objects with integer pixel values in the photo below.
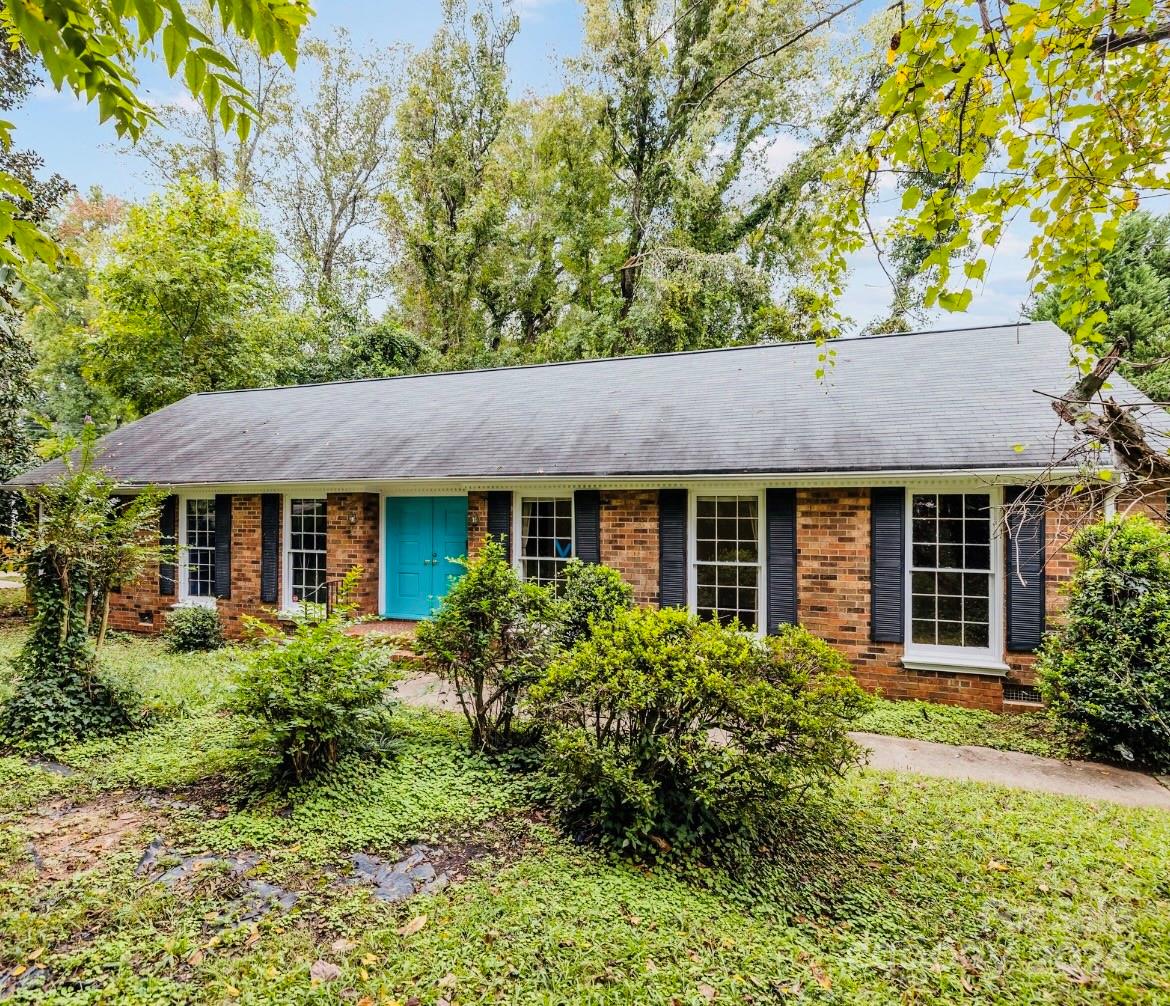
[{"x": 67, "y": 134}]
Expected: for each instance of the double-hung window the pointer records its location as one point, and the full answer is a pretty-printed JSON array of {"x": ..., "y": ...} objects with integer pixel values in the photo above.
[
  {"x": 306, "y": 550},
  {"x": 546, "y": 538},
  {"x": 199, "y": 547},
  {"x": 953, "y": 586},
  {"x": 727, "y": 558}
]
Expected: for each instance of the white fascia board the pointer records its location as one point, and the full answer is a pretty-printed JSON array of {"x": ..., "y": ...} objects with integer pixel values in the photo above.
[{"x": 392, "y": 486}]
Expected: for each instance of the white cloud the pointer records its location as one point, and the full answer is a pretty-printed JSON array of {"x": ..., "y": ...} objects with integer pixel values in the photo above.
[{"x": 531, "y": 10}]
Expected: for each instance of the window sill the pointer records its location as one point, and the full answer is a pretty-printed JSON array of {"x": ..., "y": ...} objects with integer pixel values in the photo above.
[
  {"x": 195, "y": 602},
  {"x": 957, "y": 665}
]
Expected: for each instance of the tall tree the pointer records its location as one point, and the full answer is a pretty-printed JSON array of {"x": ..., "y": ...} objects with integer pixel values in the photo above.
[
  {"x": 189, "y": 300},
  {"x": 188, "y": 137},
  {"x": 1137, "y": 279},
  {"x": 683, "y": 126},
  {"x": 1053, "y": 112},
  {"x": 448, "y": 212},
  {"x": 337, "y": 153}
]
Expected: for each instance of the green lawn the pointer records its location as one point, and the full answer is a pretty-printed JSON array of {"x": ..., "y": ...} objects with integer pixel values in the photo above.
[
  {"x": 906, "y": 890},
  {"x": 1031, "y": 732}
]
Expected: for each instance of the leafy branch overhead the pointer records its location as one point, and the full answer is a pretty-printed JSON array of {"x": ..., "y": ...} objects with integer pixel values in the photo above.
[
  {"x": 91, "y": 48},
  {"x": 1050, "y": 113}
]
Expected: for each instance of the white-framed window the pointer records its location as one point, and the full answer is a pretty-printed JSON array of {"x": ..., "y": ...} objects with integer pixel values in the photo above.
[
  {"x": 545, "y": 534},
  {"x": 954, "y": 590},
  {"x": 727, "y": 570},
  {"x": 305, "y": 550},
  {"x": 197, "y": 552}
]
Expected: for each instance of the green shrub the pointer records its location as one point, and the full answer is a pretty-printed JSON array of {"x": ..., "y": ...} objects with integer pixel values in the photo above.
[
  {"x": 193, "y": 628},
  {"x": 493, "y": 636},
  {"x": 306, "y": 699},
  {"x": 1108, "y": 667},
  {"x": 60, "y": 694},
  {"x": 667, "y": 731},
  {"x": 590, "y": 594}
]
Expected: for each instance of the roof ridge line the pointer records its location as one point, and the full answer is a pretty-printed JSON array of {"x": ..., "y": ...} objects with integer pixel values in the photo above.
[{"x": 615, "y": 359}]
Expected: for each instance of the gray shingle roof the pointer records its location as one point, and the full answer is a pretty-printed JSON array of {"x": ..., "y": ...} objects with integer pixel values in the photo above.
[{"x": 928, "y": 401}]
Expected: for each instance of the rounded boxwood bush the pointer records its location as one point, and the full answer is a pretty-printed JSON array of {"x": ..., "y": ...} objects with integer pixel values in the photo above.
[
  {"x": 193, "y": 628},
  {"x": 669, "y": 732},
  {"x": 590, "y": 594},
  {"x": 1107, "y": 669}
]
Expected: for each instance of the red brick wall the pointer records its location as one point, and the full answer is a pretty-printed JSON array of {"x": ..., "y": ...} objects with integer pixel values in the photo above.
[
  {"x": 833, "y": 530},
  {"x": 139, "y": 607},
  {"x": 352, "y": 540},
  {"x": 477, "y": 528},
  {"x": 629, "y": 538},
  {"x": 245, "y": 599}
]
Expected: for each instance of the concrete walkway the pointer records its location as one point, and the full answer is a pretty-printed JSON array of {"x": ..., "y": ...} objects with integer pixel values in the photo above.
[
  {"x": 1087, "y": 780},
  {"x": 1084, "y": 779}
]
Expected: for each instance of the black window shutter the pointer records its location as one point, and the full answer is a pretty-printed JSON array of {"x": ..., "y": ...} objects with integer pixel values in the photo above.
[
  {"x": 780, "y": 505},
  {"x": 672, "y": 548},
  {"x": 1025, "y": 569},
  {"x": 587, "y": 525},
  {"x": 168, "y": 536},
  {"x": 270, "y": 504},
  {"x": 223, "y": 545},
  {"x": 499, "y": 518},
  {"x": 888, "y": 564}
]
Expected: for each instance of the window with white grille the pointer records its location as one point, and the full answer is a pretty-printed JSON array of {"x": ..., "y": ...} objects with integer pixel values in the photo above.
[
  {"x": 546, "y": 538},
  {"x": 199, "y": 542},
  {"x": 952, "y": 583},
  {"x": 306, "y": 553},
  {"x": 727, "y": 558}
]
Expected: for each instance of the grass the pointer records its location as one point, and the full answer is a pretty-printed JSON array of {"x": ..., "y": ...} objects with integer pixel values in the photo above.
[
  {"x": 13, "y": 603},
  {"x": 900, "y": 890},
  {"x": 1032, "y": 733}
]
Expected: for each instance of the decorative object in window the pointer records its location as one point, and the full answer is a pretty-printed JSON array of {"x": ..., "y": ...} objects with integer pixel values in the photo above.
[
  {"x": 727, "y": 558},
  {"x": 199, "y": 539},
  {"x": 546, "y": 538},
  {"x": 950, "y": 570},
  {"x": 306, "y": 554}
]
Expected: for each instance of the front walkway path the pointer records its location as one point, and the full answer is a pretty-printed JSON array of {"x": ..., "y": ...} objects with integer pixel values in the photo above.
[{"x": 1087, "y": 780}]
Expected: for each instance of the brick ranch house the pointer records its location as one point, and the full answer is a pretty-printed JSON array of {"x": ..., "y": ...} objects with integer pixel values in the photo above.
[{"x": 866, "y": 506}]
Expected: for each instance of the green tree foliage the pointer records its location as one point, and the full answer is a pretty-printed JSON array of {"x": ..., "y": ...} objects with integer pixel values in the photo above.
[
  {"x": 449, "y": 210},
  {"x": 305, "y": 700},
  {"x": 86, "y": 542},
  {"x": 1049, "y": 112},
  {"x": 1107, "y": 668},
  {"x": 91, "y": 48},
  {"x": 189, "y": 139},
  {"x": 58, "y": 321},
  {"x": 633, "y": 713},
  {"x": 186, "y": 302},
  {"x": 492, "y": 637},
  {"x": 1137, "y": 279},
  {"x": 633, "y": 211}
]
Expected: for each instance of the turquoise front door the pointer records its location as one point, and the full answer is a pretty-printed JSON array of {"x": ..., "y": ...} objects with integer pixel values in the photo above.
[{"x": 423, "y": 533}]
